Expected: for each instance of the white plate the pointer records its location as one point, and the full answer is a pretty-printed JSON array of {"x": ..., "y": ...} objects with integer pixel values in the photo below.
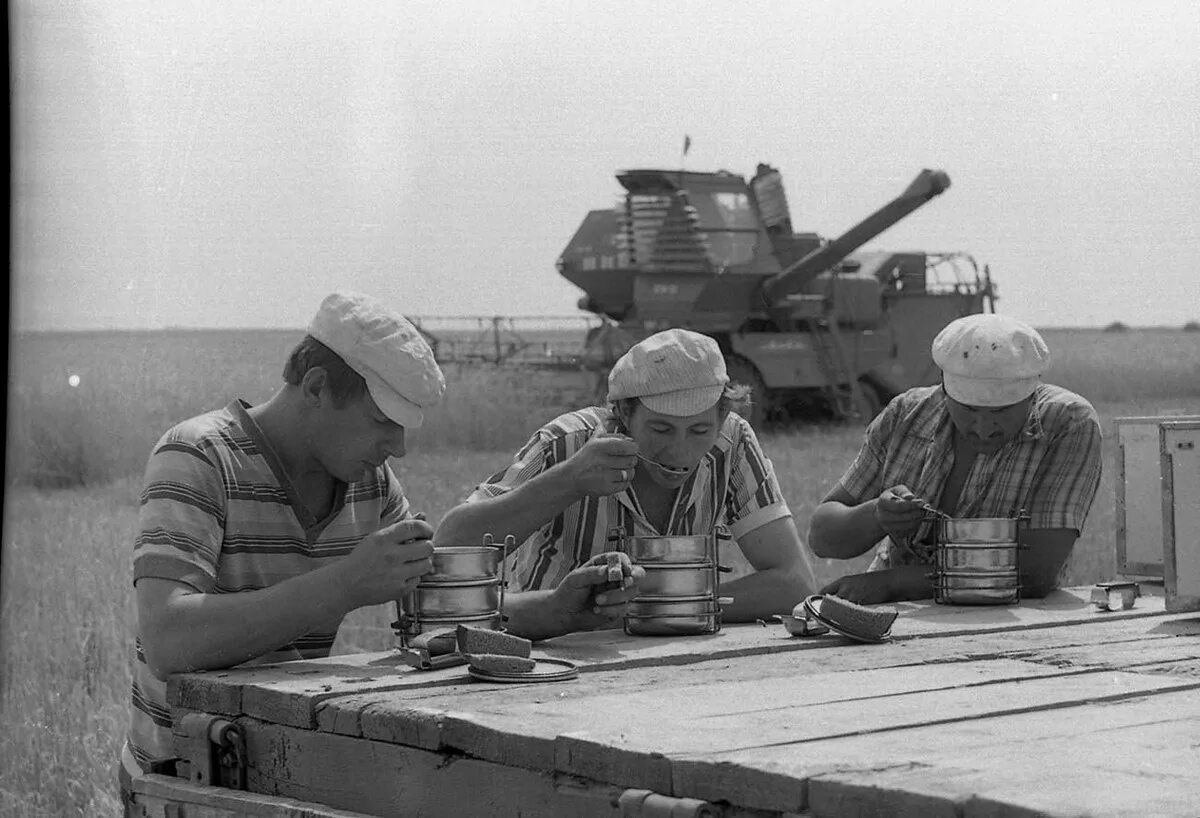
[{"x": 545, "y": 670}]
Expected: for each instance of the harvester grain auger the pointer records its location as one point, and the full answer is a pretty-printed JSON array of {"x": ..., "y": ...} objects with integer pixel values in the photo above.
[{"x": 804, "y": 320}]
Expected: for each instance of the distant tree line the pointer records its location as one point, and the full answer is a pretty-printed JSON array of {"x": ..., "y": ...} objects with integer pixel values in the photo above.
[{"x": 1121, "y": 326}]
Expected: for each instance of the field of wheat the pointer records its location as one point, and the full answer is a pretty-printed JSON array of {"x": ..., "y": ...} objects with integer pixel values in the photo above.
[{"x": 84, "y": 410}]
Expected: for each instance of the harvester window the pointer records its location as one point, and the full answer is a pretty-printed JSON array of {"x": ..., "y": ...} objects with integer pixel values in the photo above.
[
  {"x": 734, "y": 211},
  {"x": 730, "y": 225}
]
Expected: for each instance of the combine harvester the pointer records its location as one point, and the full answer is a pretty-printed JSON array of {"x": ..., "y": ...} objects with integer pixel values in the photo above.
[{"x": 806, "y": 321}]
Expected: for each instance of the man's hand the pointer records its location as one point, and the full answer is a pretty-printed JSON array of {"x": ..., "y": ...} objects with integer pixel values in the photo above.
[
  {"x": 605, "y": 465},
  {"x": 591, "y": 598},
  {"x": 389, "y": 563},
  {"x": 870, "y": 588},
  {"x": 889, "y": 585},
  {"x": 899, "y": 512}
]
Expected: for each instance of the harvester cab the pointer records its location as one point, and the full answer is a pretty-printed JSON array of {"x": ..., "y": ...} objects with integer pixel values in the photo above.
[{"x": 805, "y": 321}]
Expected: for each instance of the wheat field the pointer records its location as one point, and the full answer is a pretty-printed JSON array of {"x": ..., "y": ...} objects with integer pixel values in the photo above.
[{"x": 76, "y": 449}]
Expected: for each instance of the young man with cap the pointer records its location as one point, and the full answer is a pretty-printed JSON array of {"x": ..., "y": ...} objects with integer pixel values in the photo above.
[
  {"x": 669, "y": 456},
  {"x": 260, "y": 527},
  {"x": 990, "y": 441}
]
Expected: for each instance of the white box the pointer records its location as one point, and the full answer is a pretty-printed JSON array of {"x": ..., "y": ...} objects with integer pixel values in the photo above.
[
  {"x": 1180, "y": 448},
  {"x": 1139, "y": 497}
]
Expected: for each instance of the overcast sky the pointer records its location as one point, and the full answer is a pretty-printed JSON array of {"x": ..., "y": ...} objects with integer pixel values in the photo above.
[{"x": 221, "y": 164}]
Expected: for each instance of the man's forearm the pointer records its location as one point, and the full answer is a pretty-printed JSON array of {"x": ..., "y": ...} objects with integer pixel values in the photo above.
[
  {"x": 519, "y": 512},
  {"x": 763, "y": 593},
  {"x": 839, "y": 531},
  {"x": 210, "y": 631}
]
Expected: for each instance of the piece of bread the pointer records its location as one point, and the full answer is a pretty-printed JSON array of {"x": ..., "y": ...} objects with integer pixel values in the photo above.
[
  {"x": 438, "y": 642},
  {"x": 484, "y": 640},
  {"x": 873, "y": 623},
  {"x": 500, "y": 663}
]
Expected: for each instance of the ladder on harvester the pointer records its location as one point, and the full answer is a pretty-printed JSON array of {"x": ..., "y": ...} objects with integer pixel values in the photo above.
[{"x": 841, "y": 383}]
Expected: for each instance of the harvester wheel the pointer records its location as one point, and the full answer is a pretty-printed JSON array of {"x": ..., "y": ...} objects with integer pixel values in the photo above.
[
  {"x": 872, "y": 399},
  {"x": 742, "y": 371}
]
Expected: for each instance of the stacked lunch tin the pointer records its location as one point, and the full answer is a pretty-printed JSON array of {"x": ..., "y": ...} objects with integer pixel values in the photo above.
[
  {"x": 680, "y": 593},
  {"x": 466, "y": 587},
  {"x": 978, "y": 560}
]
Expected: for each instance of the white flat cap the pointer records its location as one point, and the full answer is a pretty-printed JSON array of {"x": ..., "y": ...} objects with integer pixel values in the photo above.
[
  {"x": 676, "y": 372},
  {"x": 386, "y": 349},
  {"x": 990, "y": 360}
]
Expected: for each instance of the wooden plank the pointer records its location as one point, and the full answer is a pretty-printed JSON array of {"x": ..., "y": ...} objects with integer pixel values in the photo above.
[
  {"x": 1146, "y": 737},
  {"x": 386, "y": 779},
  {"x": 290, "y": 693},
  {"x": 1032, "y": 791},
  {"x": 591, "y": 739},
  {"x": 1034, "y": 777},
  {"x": 1138, "y": 656},
  {"x": 1129, "y": 638},
  {"x": 520, "y": 729},
  {"x": 604, "y": 752},
  {"x": 294, "y": 693},
  {"x": 159, "y": 795}
]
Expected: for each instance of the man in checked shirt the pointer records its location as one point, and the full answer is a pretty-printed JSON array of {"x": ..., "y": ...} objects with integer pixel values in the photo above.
[
  {"x": 670, "y": 455},
  {"x": 990, "y": 441}
]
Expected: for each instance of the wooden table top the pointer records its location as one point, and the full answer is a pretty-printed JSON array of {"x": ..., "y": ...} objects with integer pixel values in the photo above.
[{"x": 1049, "y": 707}]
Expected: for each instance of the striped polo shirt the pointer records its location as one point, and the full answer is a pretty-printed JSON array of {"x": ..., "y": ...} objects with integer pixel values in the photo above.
[
  {"x": 219, "y": 515},
  {"x": 733, "y": 489},
  {"x": 1051, "y": 469}
]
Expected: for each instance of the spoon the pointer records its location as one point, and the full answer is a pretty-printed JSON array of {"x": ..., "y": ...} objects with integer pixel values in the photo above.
[{"x": 668, "y": 469}]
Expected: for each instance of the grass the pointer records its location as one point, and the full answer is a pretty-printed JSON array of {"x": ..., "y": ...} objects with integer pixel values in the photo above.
[{"x": 75, "y": 454}]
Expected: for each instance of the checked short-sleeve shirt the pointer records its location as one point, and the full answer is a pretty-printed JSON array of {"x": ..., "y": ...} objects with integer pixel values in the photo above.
[
  {"x": 1051, "y": 469},
  {"x": 733, "y": 488},
  {"x": 219, "y": 514}
]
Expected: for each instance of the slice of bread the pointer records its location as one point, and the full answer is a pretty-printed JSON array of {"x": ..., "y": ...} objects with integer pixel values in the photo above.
[
  {"x": 483, "y": 640},
  {"x": 872, "y": 623},
  {"x": 438, "y": 642},
  {"x": 500, "y": 663}
]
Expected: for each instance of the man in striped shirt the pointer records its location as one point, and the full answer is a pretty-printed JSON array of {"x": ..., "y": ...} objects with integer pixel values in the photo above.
[
  {"x": 260, "y": 527},
  {"x": 991, "y": 441},
  {"x": 669, "y": 456}
]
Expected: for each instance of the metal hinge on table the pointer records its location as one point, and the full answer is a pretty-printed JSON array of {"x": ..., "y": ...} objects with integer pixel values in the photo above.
[
  {"x": 649, "y": 804},
  {"x": 213, "y": 750}
]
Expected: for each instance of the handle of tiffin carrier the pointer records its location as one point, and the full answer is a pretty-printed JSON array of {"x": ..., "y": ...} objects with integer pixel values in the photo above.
[
  {"x": 1022, "y": 519},
  {"x": 489, "y": 541},
  {"x": 510, "y": 543},
  {"x": 1022, "y": 526},
  {"x": 405, "y": 625},
  {"x": 719, "y": 533}
]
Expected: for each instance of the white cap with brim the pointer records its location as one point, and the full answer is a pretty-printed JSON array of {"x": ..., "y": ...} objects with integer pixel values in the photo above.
[
  {"x": 675, "y": 372},
  {"x": 988, "y": 391},
  {"x": 990, "y": 360},
  {"x": 386, "y": 350}
]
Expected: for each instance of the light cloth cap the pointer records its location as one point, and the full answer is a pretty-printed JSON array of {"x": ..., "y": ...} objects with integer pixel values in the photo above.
[
  {"x": 386, "y": 349},
  {"x": 990, "y": 360},
  {"x": 675, "y": 372}
]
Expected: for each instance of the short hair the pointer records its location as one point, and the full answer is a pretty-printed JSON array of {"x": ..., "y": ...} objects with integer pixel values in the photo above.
[
  {"x": 344, "y": 383},
  {"x": 735, "y": 398}
]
